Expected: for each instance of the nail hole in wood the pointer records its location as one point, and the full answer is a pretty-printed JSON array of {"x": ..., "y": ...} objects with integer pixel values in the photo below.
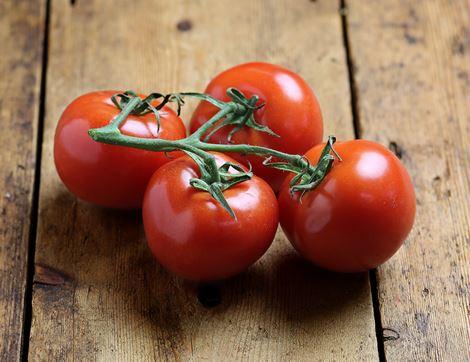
[
  {"x": 184, "y": 25},
  {"x": 209, "y": 295}
]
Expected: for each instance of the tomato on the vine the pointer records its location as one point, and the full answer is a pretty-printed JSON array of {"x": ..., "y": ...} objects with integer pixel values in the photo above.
[
  {"x": 192, "y": 235},
  {"x": 290, "y": 110},
  {"x": 108, "y": 175},
  {"x": 358, "y": 216}
]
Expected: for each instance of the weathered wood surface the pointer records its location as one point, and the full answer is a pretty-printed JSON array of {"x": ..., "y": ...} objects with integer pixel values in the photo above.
[
  {"x": 21, "y": 34},
  {"x": 98, "y": 293},
  {"x": 412, "y": 63}
]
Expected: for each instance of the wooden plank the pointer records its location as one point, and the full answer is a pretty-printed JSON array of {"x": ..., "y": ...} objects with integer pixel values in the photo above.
[
  {"x": 22, "y": 33},
  {"x": 412, "y": 62},
  {"x": 98, "y": 292}
]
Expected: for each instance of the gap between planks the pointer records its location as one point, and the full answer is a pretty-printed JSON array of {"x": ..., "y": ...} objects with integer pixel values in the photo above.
[
  {"x": 353, "y": 90},
  {"x": 28, "y": 297}
]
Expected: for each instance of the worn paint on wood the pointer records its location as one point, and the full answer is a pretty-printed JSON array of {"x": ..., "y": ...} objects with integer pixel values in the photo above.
[
  {"x": 412, "y": 63},
  {"x": 99, "y": 293},
  {"x": 21, "y": 34}
]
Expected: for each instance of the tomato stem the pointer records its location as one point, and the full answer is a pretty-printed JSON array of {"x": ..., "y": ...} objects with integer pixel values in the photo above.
[
  {"x": 224, "y": 111},
  {"x": 239, "y": 112},
  {"x": 121, "y": 117}
]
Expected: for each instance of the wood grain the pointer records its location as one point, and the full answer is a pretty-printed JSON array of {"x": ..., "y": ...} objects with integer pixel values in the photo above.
[
  {"x": 21, "y": 32},
  {"x": 412, "y": 62},
  {"x": 98, "y": 293}
]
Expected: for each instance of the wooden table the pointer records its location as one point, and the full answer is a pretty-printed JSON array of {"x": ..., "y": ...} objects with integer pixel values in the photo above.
[{"x": 78, "y": 282}]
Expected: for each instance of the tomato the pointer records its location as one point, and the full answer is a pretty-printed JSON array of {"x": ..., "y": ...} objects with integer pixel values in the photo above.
[
  {"x": 102, "y": 174},
  {"x": 291, "y": 111},
  {"x": 193, "y": 236},
  {"x": 358, "y": 216}
]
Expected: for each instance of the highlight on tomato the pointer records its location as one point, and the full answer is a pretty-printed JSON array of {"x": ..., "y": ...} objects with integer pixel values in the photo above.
[
  {"x": 110, "y": 175},
  {"x": 290, "y": 120},
  {"x": 358, "y": 216},
  {"x": 192, "y": 234}
]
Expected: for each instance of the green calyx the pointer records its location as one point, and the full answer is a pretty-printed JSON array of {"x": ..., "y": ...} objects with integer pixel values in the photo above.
[
  {"x": 239, "y": 113},
  {"x": 308, "y": 176},
  {"x": 243, "y": 118},
  {"x": 223, "y": 179},
  {"x": 145, "y": 106}
]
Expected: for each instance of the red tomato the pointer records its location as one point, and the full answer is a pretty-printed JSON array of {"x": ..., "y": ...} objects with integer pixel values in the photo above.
[
  {"x": 359, "y": 215},
  {"x": 107, "y": 175},
  {"x": 291, "y": 111},
  {"x": 193, "y": 236}
]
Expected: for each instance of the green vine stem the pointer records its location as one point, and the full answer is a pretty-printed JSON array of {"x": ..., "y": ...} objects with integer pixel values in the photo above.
[{"x": 239, "y": 112}]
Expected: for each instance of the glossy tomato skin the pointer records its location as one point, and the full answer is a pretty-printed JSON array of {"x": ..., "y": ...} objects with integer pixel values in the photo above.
[
  {"x": 291, "y": 110},
  {"x": 359, "y": 216},
  {"x": 190, "y": 233},
  {"x": 108, "y": 175}
]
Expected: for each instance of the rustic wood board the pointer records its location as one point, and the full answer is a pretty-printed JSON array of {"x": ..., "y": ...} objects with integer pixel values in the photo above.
[
  {"x": 412, "y": 62},
  {"x": 22, "y": 32},
  {"x": 98, "y": 293}
]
